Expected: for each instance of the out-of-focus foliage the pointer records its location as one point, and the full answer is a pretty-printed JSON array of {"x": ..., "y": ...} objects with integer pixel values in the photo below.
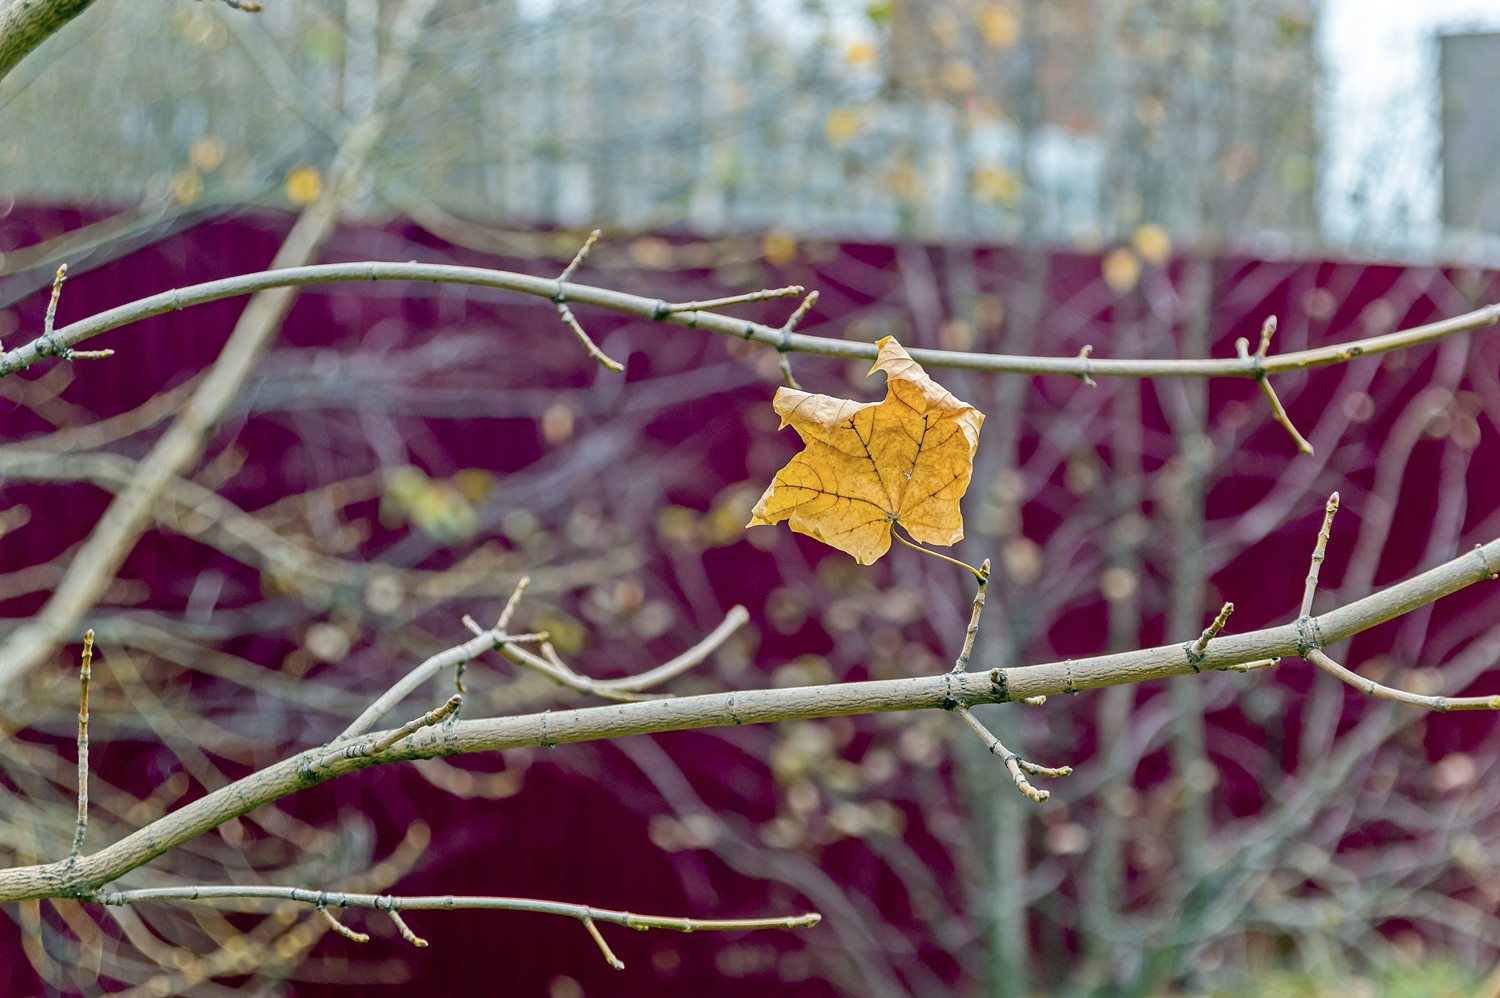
[
  {"x": 1404, "y": 978},
  {"x": 1070, "y": 120}
]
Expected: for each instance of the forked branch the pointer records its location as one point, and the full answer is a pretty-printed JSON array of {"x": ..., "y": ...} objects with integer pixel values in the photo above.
[
  {"x": 589, "y": 915},
  {"x": 85, "y": 874},
  {"x": 1313, "y": 638},
  {"x": 560, "y": 299}
]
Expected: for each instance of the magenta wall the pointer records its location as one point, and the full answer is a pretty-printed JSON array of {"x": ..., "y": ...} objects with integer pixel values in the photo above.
[{"x": 450, "y": 378}]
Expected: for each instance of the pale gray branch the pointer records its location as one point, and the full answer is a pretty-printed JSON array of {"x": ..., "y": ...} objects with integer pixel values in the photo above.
[
  {"x": 81, "y": 876},
  {"x": 453, "y": 902},
  {"x": 649, "y": 308}
]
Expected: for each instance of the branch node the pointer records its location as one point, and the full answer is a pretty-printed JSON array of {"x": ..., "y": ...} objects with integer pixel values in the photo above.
[
  {"x": 1489, "y": 570},
  {"x": 1306, "y": 643},
  {"x": 560, "y": 299},
  {"x": 1258, "y": 372},
  {"x": 1083, "y": 375},
  {"x": 786, "y": 338},
  {"x": 949, "y": 701},
  {"x": 47, "y": 345},
  {"x": 795, "y": 319},
  {"x": 786, "y": 372}
]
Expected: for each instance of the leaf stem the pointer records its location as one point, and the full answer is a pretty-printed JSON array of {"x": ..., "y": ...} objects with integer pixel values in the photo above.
[{"x": 982, "y": 575}]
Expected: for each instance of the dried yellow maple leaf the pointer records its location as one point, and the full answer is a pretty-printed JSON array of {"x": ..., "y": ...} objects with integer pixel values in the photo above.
[{"x": 868, "y": 466}]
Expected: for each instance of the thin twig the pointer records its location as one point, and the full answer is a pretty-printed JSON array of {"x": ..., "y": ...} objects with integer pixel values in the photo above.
[
  {"x": 1210, "y": 632},
  {"x": 1440, "y": 704},
  {"x": 48, "y": 341},
  {"x": 732, "y": 300},
  {"x": 736, "y": 618},
  {"x": 795, "y": 319},
  {"x": 961, "y": 664},
  {"x": 981, "y": 576},
  {"x": 627, "y": 688},
  {"x": 1310, "y": 588},
  {"x": 340, "y": 927},
  {"x": 1018, "y": 767},
  {"x": 785, "y": 364},
  {"x": 405, "y": 930},
  {"x": 512, "y": 603},
  {"x": 1278, "y": 411},
  {"x": 51, "y": 316},
  {"x": 560, "y": 299},
  {"x": 609, "y": 954},
  {"x": 548, "y": 664},
  {"x": 435, "y": 716},
  {"x": 434, "y": 664},
  {"x": 81, "y": 826},
  {"x": 1263, "y": 663},
  {"x": 578, "y": 258}
]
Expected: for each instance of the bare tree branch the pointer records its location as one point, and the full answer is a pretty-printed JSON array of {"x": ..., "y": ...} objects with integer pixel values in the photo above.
[
  {"x": 587, "y": 914},
  {"x": 648, "y": 308},
  {"x": 81, "y": 876}
]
